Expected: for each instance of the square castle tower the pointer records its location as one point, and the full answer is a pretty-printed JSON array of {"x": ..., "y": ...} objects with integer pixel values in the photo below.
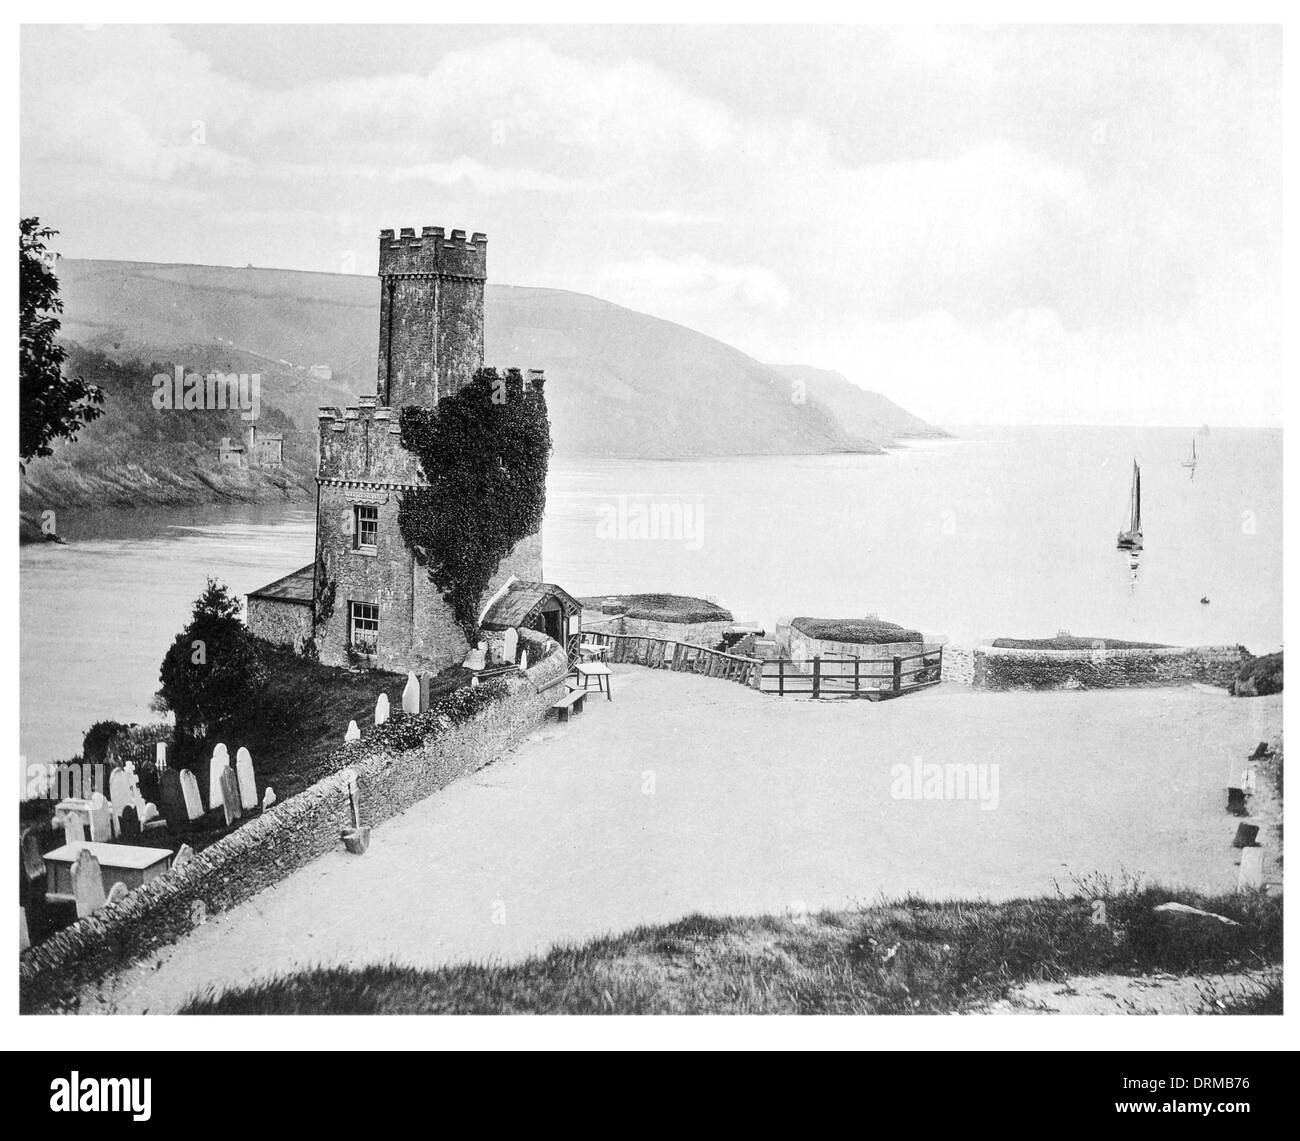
[{"x": 365, "y": 595}]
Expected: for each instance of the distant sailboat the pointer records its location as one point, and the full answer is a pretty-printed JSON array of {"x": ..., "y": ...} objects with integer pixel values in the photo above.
[
  {"x": 1190, "y": 462},
  {"x": 1131, "y": 539}
]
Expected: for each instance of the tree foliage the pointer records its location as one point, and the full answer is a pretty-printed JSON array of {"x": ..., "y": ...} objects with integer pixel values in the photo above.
[
  {"x": 212, "y": 677},
  {"x": 51, "y": 406},
  {"x": 484, "y": 451}
]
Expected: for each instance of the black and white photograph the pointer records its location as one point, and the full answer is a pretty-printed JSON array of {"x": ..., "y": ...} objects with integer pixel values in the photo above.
[{"x": 636, "y": 519}]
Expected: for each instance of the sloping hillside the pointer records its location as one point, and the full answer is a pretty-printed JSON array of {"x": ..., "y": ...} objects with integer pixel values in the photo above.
[
  {"x": 859, "y": 412},
  {"x": 620, "y": 383}
]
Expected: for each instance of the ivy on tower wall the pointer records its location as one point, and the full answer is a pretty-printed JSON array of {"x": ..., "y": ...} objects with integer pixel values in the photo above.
[{"x": 484, "y": 451}]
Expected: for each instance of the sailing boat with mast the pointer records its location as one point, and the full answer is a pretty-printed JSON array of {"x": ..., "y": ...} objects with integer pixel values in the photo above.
[
  {"x": 1190, "y": 462},
  {"x": 1131, "y": 539}
]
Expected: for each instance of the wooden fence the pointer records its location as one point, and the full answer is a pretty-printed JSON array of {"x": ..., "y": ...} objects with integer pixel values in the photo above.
[
  {"x": 817, "y": 677},
  {"x": 872, "y": 678},
  {"x": 680, "y": 657}
]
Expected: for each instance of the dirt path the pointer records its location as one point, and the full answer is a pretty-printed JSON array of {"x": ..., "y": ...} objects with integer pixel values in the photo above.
[{"x": 689, "y": 794}]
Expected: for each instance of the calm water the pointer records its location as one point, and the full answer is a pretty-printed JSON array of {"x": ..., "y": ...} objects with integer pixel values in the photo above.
[{"x": 1004, "y": 531}]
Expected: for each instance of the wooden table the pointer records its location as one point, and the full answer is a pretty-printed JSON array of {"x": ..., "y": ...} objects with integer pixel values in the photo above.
[
  {"x": 120, "y": 863},
  {"x": 601, "y": 672}
]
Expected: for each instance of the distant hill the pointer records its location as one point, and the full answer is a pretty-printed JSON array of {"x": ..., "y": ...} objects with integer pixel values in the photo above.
[
  {"x": 619, "y": 383},
  {"x": 862, "y": 413}
]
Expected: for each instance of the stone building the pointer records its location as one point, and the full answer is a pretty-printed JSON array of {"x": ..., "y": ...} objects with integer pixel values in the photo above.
[{"x": 366, "y": 597}]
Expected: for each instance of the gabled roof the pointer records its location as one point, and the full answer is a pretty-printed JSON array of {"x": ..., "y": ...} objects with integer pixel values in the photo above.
[
  {"x": 296, "y": 587},
  {"x": 521, "y": 602}
]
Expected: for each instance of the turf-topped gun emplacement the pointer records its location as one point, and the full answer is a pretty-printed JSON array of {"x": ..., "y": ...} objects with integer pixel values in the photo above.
[
  {"x": 659, "y": 607},
  {"x": 1071, "y": 642},
  {"x": 860, "y": 631}
]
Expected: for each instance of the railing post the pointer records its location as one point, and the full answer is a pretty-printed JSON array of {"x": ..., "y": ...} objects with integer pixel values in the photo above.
[
  {"x": 780, "y": 677},
  {"x": 857, "y": 668},
  {"x": 817, "y": 675},
  {"x": 941, "y": 663},
  {"x": 898, "y": 674}
]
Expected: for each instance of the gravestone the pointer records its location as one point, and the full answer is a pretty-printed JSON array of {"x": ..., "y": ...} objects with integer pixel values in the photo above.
[
  {"x": 101, "y": 819},
  {"x": 160, "y": 756},
  {"x": 1245, "y": 837},
  {"x": 353, "y": 733},
  {"x": 87, "y": 883},
  {"x": 268, "y": 798},
  {"x": 477, "y": 658},
  {"x": 129, "y": 824},
  {"x": 411, "y": 695},
  {"x": 118, "y": 892},
  {"x": 381, "y": 709},
  {"x": 1237, "y": 801},
  {"x": 24, "y": 940},
  {"x": 425, "y": 679},
  {"x": 119, "y": 795},
  {"x": 173, "y": 800},
  {"x": 220, "y": 760},
  {"x": 473, "y": 682},
  {"x": 73, "y": 832},
  {"x": 190, "y": 790},
  {"x": 247, "y": 784},
  {"x": 523, "y": 660},
  {"x": 184, "y": 854},
  {"x": 1250, "y": 876},
  {"x": 230, "y": 795},
  {"x": 510, "y": 646}
]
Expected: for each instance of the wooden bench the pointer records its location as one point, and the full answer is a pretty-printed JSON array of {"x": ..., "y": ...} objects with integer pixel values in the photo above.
[{"x": 570, "y": 701}]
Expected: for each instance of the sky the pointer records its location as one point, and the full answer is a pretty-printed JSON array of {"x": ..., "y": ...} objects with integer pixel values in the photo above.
[{"x": 1015, "y": 225}]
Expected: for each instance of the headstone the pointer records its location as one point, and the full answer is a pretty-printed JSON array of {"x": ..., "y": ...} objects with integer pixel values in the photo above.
[
  {"x": 87, "y": 883},
  {"x": 411, "y": 695},
  {"x": 160, "y": 756},
  {"x": 173, "y": 799},
  {"x": 118, "y": 892},
  {"x": 220, "y": 760},
  {"x": 1250, "y": 876},
  {"x": 1237, "y": 801},
  {"x": 523, "y": 659},
  {"x": 101, "y": 819},
  {"x": 381, "y": 709},
  {"x": 477, "y": 658},
  {"x": 424, "y": 693},
  {"x": 268, "y": 798},
  {"x": 247, "y": 784},
  {"x": 190, "y": 791},
  {"x": 184, "y": 854},
  {"x": 230, "y": 795},
  {"x": 119, "y": 794},
  {"x": 353, "y": 733},
  {"x": 73, "y": 832},
  {"x": 510, "y": 645},
  {"x": 24, "y": 940},
  {"x": 129, "y": 824},
  {"x": 1245, "y": 837},
  {"x": 148, "y": 813},
  {"x": 473, "y": 682}
]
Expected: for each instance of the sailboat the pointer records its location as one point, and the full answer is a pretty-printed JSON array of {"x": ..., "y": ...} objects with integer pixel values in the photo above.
[
  {"x": 1191, "y": 460},
  {"x": 1131, "y": 539}
]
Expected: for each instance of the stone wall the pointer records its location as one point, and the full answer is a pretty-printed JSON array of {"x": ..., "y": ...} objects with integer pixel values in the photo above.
[
  {"x": 279, "y": 620},
  {"x": 1000, "y": 668},
  {"x": 695, "y": 633},
  {"x": 803, "y": 649},
  {"x": 289, "y": 836}
]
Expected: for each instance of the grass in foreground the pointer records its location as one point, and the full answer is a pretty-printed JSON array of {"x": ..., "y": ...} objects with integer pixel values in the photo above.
[{"x": 912, "y": 957}]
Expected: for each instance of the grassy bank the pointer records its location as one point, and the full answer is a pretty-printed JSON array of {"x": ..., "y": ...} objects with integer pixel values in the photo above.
[
  {"x": 910, "y": 957},
  {"x": 659, "y": 607}
]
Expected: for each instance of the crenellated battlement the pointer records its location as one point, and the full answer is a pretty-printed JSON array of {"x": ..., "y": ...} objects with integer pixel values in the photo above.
[
  {"x": 432, "y": 252},
  {"x": 364, "y": 445}
]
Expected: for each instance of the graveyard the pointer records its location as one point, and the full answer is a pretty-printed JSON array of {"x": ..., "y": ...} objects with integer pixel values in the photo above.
[{"x": 685, "y": 797}]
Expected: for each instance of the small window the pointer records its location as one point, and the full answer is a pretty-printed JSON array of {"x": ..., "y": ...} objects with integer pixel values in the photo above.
[
  {"x": 365, "y": 627},
  {"x": 365, "y": 533}
]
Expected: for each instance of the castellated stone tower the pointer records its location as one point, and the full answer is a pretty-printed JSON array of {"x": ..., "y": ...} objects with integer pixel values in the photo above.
[
  {"x": 366, "y": 597},
  {"x": 430, "y": 314}
]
